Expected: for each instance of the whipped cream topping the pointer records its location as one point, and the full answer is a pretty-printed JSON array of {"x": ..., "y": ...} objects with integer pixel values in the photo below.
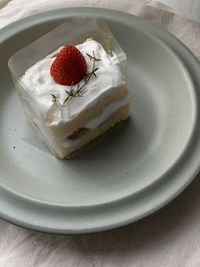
[{"x": 39, "y": 84}]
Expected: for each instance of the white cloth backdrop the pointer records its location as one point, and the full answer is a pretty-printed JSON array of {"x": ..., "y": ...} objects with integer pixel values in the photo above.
[
  {"x": 169, "y": 238},
  {"x": 191, "y": 7}
]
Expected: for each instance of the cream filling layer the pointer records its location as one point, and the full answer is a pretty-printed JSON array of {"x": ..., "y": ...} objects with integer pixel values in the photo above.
[{"x": 95, "y": 122}]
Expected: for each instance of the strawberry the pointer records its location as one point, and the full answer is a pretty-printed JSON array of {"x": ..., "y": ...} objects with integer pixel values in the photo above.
[
  {"x": 69, "y": 67},
  {"x": 78, "y": 133}
]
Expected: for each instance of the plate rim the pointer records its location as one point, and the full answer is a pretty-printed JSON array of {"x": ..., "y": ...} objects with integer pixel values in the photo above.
[{"x": 172, "y": 42}]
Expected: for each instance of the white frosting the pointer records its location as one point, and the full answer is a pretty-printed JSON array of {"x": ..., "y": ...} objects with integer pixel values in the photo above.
[
  {"x": 106, "y": 113},
  {"x": 93, "y": 123},
  {"x": 38, "y": 82}
]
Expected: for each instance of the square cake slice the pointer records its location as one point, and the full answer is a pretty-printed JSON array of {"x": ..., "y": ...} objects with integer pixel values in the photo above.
[{"x": 74, "y": 94}]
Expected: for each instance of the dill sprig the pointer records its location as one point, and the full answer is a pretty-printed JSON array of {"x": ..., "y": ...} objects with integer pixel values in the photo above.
[
  {"x": 54, "y": 98},
  {"x": 78, "y": 91}
]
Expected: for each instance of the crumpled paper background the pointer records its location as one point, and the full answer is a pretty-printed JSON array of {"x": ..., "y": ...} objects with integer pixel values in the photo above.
[{"x": 171, "y": 237}]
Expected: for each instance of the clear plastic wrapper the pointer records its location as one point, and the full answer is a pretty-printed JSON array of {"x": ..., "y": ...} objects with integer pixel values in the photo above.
[{"x": 73, "y": 31}]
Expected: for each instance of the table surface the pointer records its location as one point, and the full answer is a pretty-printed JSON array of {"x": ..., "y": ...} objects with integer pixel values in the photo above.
[{"x": 168, "y": 238}]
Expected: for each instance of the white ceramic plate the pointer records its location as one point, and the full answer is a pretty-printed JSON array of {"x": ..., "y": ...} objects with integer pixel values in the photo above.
[{"x": 129, "y": 173}]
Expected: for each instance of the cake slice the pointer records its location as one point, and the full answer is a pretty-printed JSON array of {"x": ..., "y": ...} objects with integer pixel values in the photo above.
[
  {"x": 72, "y": 84},
  {"x": 74, "y": 95}
]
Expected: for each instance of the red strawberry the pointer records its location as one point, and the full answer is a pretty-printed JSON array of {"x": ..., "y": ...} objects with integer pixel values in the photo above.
[
  {"x": 78, "y": 133},
  {"x": 69, "y": 67}
]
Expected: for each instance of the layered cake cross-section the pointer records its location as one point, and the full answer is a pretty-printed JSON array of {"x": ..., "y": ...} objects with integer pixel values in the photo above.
[{"x": 74, "y": 94}]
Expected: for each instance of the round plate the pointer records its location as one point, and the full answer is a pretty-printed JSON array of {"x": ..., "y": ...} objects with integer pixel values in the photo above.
[{"x": 130, "y": 172}]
